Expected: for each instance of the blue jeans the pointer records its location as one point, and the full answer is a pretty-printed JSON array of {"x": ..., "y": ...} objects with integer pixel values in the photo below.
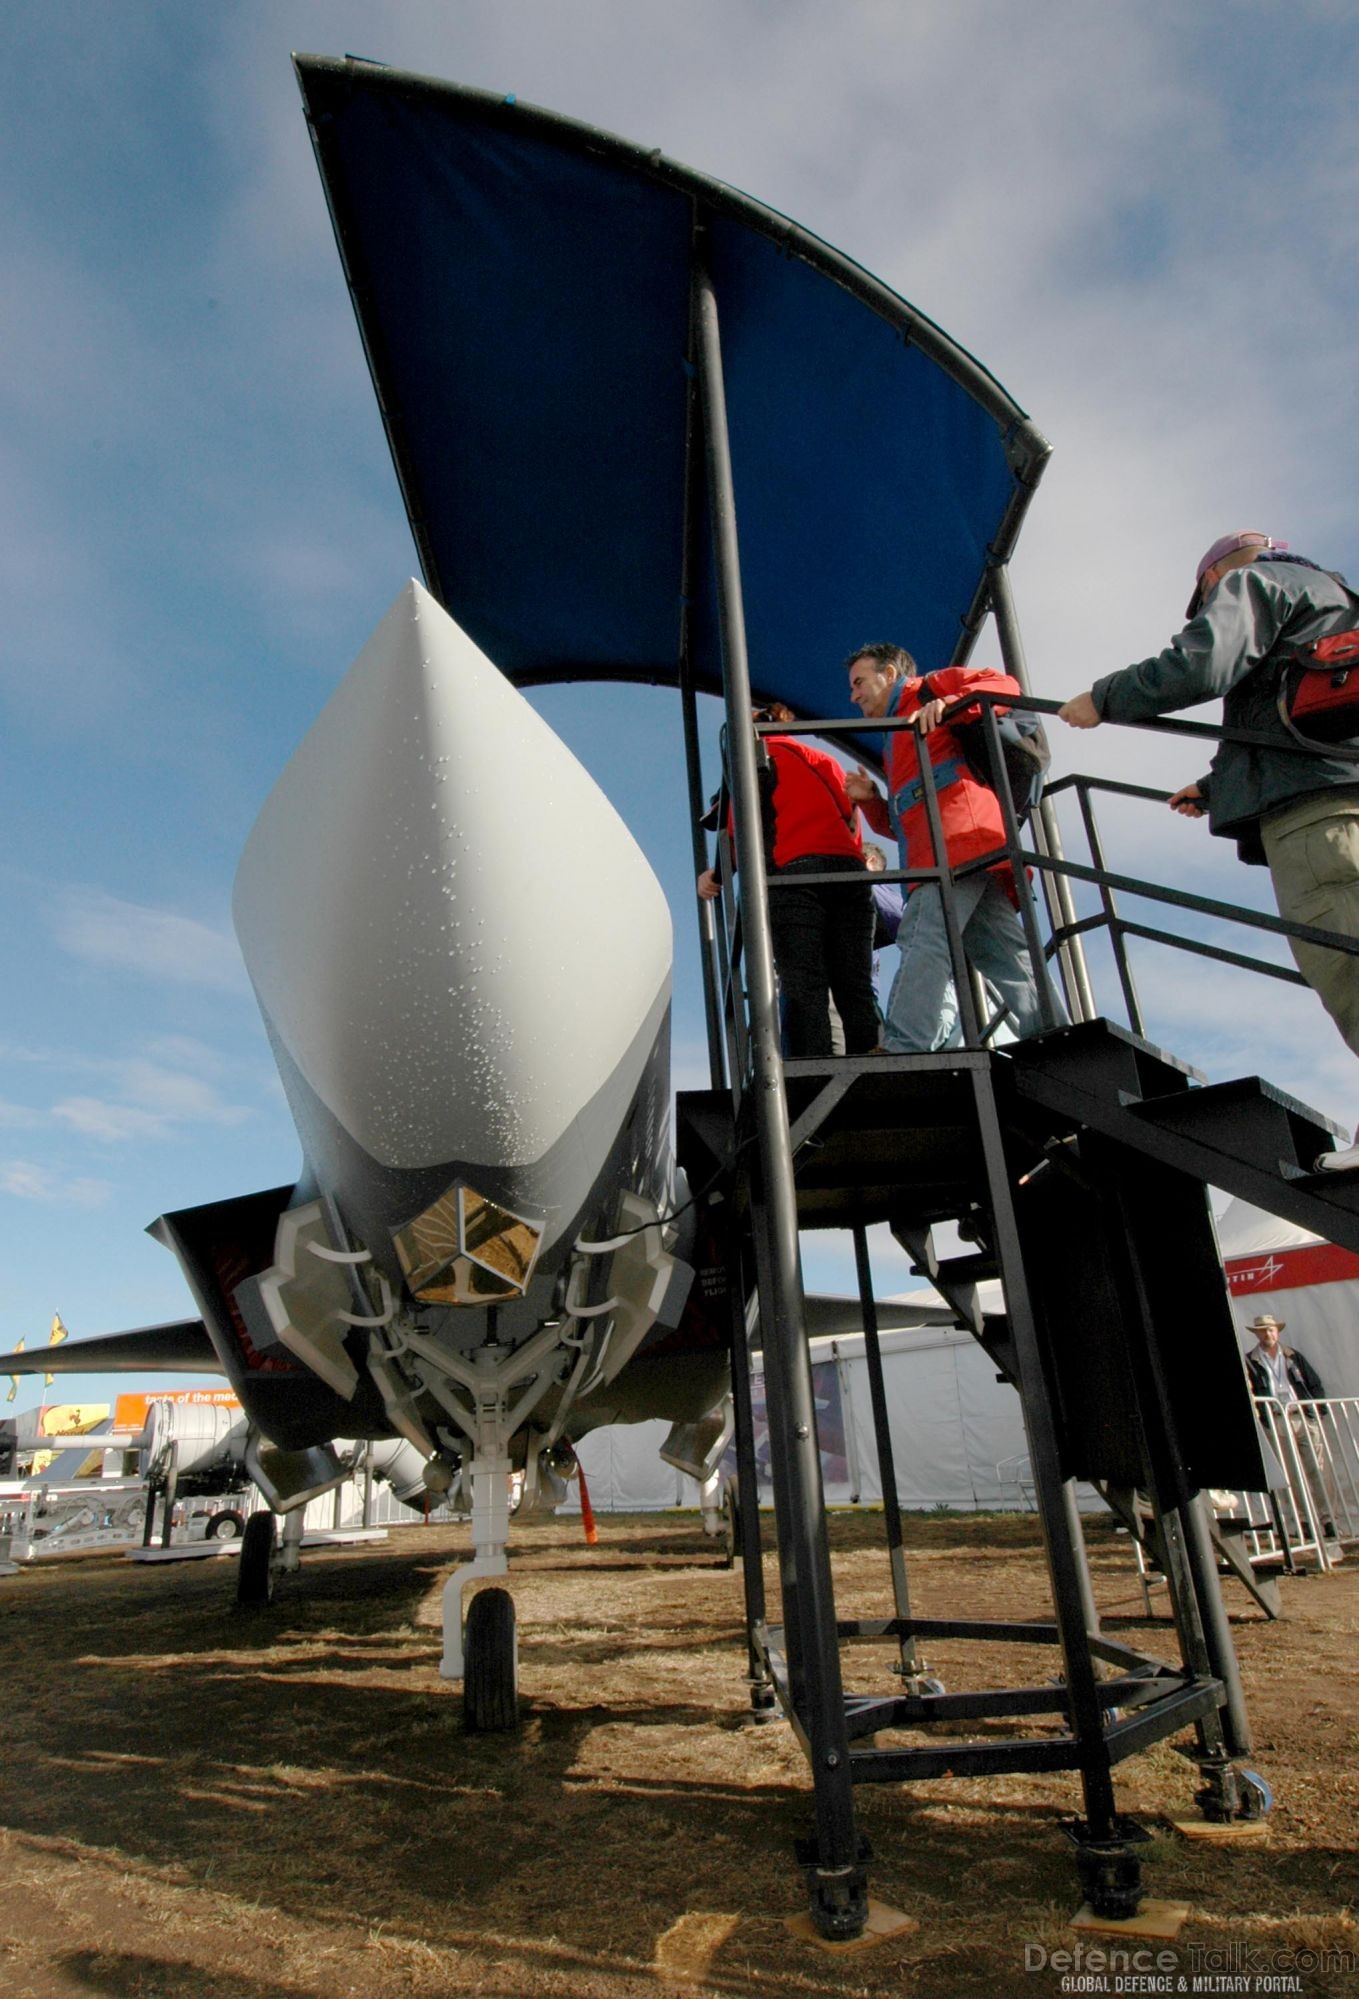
[{"x": 922, "y": 1009}]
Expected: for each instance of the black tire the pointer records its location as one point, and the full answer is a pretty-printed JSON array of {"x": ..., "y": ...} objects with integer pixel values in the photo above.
[
  {"x": 255, "y": 1572},
  {"x": 731, "y": 1523},
  {"x": 224, "y": 1527},
  {"x": 490, "y": 1665}
]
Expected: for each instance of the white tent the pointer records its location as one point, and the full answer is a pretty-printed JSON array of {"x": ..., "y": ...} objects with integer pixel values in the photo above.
[
  {"x": 1308, "y": 1284},
  {"x": 957, "y": 1432}
]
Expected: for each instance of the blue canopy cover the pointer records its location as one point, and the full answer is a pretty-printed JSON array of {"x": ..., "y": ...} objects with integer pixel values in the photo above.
[{"x": 522, "y": 285}]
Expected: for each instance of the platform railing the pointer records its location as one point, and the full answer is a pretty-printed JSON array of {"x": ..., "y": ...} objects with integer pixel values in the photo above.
[{"x": 1052, "y": 937}]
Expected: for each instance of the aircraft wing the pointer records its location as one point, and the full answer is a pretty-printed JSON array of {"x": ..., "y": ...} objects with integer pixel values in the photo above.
[
  {"x": 183, "y": 1346},
  {"x": 829, "y": 1317}
]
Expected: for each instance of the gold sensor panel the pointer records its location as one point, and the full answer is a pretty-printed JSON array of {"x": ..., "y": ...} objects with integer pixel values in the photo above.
[{"x": 465, "y": 1249}]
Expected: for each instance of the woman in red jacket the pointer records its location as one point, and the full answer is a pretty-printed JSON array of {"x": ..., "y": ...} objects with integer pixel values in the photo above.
[
  {"x": 823, "y": 936},
  {"x": 922, "y": 1009}
]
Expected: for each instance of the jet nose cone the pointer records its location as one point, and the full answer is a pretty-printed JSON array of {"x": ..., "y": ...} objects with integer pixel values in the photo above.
[{"x": 449, "y": 928}]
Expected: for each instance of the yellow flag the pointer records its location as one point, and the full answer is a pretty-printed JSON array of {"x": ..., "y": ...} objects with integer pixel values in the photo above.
[
  {"x": 59, "y": 1333},
  {"x": 14, "y": 1379}
]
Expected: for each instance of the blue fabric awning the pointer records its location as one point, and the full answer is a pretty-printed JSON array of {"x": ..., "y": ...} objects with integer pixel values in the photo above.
[{"x": 522, "y": 285}]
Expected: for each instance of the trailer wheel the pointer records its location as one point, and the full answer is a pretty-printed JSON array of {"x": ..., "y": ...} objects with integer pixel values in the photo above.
[
  {"x": 490, "y": 1679},
  {"x": 224, "y": 1527},
  {"x": 255, "y": 1573}
]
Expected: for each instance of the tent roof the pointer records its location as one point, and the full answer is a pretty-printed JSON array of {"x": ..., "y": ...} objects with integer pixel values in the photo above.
[
  {"x": 1243, "y": 1230},
  {"x": 522, "y": 286}
]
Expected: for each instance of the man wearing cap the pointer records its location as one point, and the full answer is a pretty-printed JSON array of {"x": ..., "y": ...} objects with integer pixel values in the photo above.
[
  {"x": 1253, "y": 606},
  {"x": 1290, "y": 1379}
]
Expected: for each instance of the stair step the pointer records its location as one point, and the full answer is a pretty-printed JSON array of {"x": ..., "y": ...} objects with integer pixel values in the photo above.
[
  {"x": 972, "y": 1269},
  {"x": 1337, "y": 1190},
  {"x": 1101, "y": 1056},
  {"x": 1248, "y": 1118}
]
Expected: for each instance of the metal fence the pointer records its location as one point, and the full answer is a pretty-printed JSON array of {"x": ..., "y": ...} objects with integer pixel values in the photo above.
[
  {"x": 1315, "y": 1514},
  {"x": 1308, "y": 1520}
]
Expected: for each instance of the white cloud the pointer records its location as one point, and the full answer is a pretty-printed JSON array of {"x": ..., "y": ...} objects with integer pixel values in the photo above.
[
  {"x": 170, "y": 1087},
  {"x": 112, "y": 1124},
  {"x": 157, "y": 943},
  {"x": 174, "y": 1096},
  {"x": 152, "y": 1101},
  {"x": 28, "y": 1182}
]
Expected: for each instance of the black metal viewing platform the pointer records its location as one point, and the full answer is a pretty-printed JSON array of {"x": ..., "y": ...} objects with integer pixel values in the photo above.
[{"x": 1076, "y": 1167}]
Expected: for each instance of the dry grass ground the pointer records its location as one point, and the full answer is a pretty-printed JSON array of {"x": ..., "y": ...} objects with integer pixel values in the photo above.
[{"x": 198, "y": 1804}]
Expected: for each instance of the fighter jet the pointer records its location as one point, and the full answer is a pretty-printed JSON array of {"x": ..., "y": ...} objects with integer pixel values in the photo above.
[{"x": 463, "y": 962}]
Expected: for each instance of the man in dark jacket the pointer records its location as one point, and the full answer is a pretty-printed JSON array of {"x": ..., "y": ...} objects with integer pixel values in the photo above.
[
  {"x": 1277, "y": 1370},
  {"x": 1289, "y": 1379},
  {"x": 1253, "y": 606}
]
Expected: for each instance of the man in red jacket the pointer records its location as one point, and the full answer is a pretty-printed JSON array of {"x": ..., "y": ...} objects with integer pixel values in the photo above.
[
  {"x": 922, "y": 1009},
  {"x": 823, "y": 937}
]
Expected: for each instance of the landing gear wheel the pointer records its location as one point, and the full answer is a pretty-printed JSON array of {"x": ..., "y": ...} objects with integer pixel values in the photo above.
[
  {"x": 731, "y": 1523},
  {"x": 490, "y": 1673},
  {"x": 255, "y": 1575}
]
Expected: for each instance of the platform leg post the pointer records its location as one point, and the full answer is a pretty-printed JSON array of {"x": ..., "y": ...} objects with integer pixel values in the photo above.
[
  {"x": 838, "y": 1887},
  {"x": 1107, "y": 1864},
  {"x": 911, "y": 1665},
  {"x": 1195, "y": 1593}
]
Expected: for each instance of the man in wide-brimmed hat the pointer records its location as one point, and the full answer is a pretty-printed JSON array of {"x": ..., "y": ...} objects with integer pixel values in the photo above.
[
  {"x": 1254, "y": 605},
  {"x": 1289, "y": 1378}
]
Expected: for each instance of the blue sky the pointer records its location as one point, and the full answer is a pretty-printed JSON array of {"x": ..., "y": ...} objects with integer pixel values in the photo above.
[{"x": 1143, "y": 220}]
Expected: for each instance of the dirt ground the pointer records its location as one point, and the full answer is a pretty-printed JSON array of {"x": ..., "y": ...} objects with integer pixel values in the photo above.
[{"x": 203, "y": 1804}]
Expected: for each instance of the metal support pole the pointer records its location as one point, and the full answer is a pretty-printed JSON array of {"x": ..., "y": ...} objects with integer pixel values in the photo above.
[
  {"x": 706, "y": 927},
  {"x": 1184, "y": 1608},
  {"x": 748, "y": 1506},
  {"x": 1200, "y": 1618},
  {"x": 1111, "y": 914},
  {"x": 693, "y": 763},
  {"x": 1202, "y": 1565},
  {"x": 1064, "y": 1563},
  {"x": 171, "y": 1490},
  {"x": 1080, "y": 997},
  {"x": 839, "y": 1894},
  {"x": 882, "y": 1431},
  {"x": 1076, "y": 1533}
]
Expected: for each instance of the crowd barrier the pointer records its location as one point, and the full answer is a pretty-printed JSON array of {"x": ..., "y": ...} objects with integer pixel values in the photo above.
[
  {"x": 1315, "y": 1514},
  {"x": 1312, "y": 1516}
]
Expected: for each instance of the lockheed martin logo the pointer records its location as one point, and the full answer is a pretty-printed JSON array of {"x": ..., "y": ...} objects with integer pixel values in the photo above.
[{"x": 1254, "y": 1276}]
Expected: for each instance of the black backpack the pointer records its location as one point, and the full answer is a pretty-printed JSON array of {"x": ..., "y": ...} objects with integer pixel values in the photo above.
[{"x": 1023, "y": 746}]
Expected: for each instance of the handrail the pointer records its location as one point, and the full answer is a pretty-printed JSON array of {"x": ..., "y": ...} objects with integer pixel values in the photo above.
[{"x": 1037, "y": 705}]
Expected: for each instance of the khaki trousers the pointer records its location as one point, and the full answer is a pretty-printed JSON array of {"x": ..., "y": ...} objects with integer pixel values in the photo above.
[{"x": 1313, "y": 852}]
